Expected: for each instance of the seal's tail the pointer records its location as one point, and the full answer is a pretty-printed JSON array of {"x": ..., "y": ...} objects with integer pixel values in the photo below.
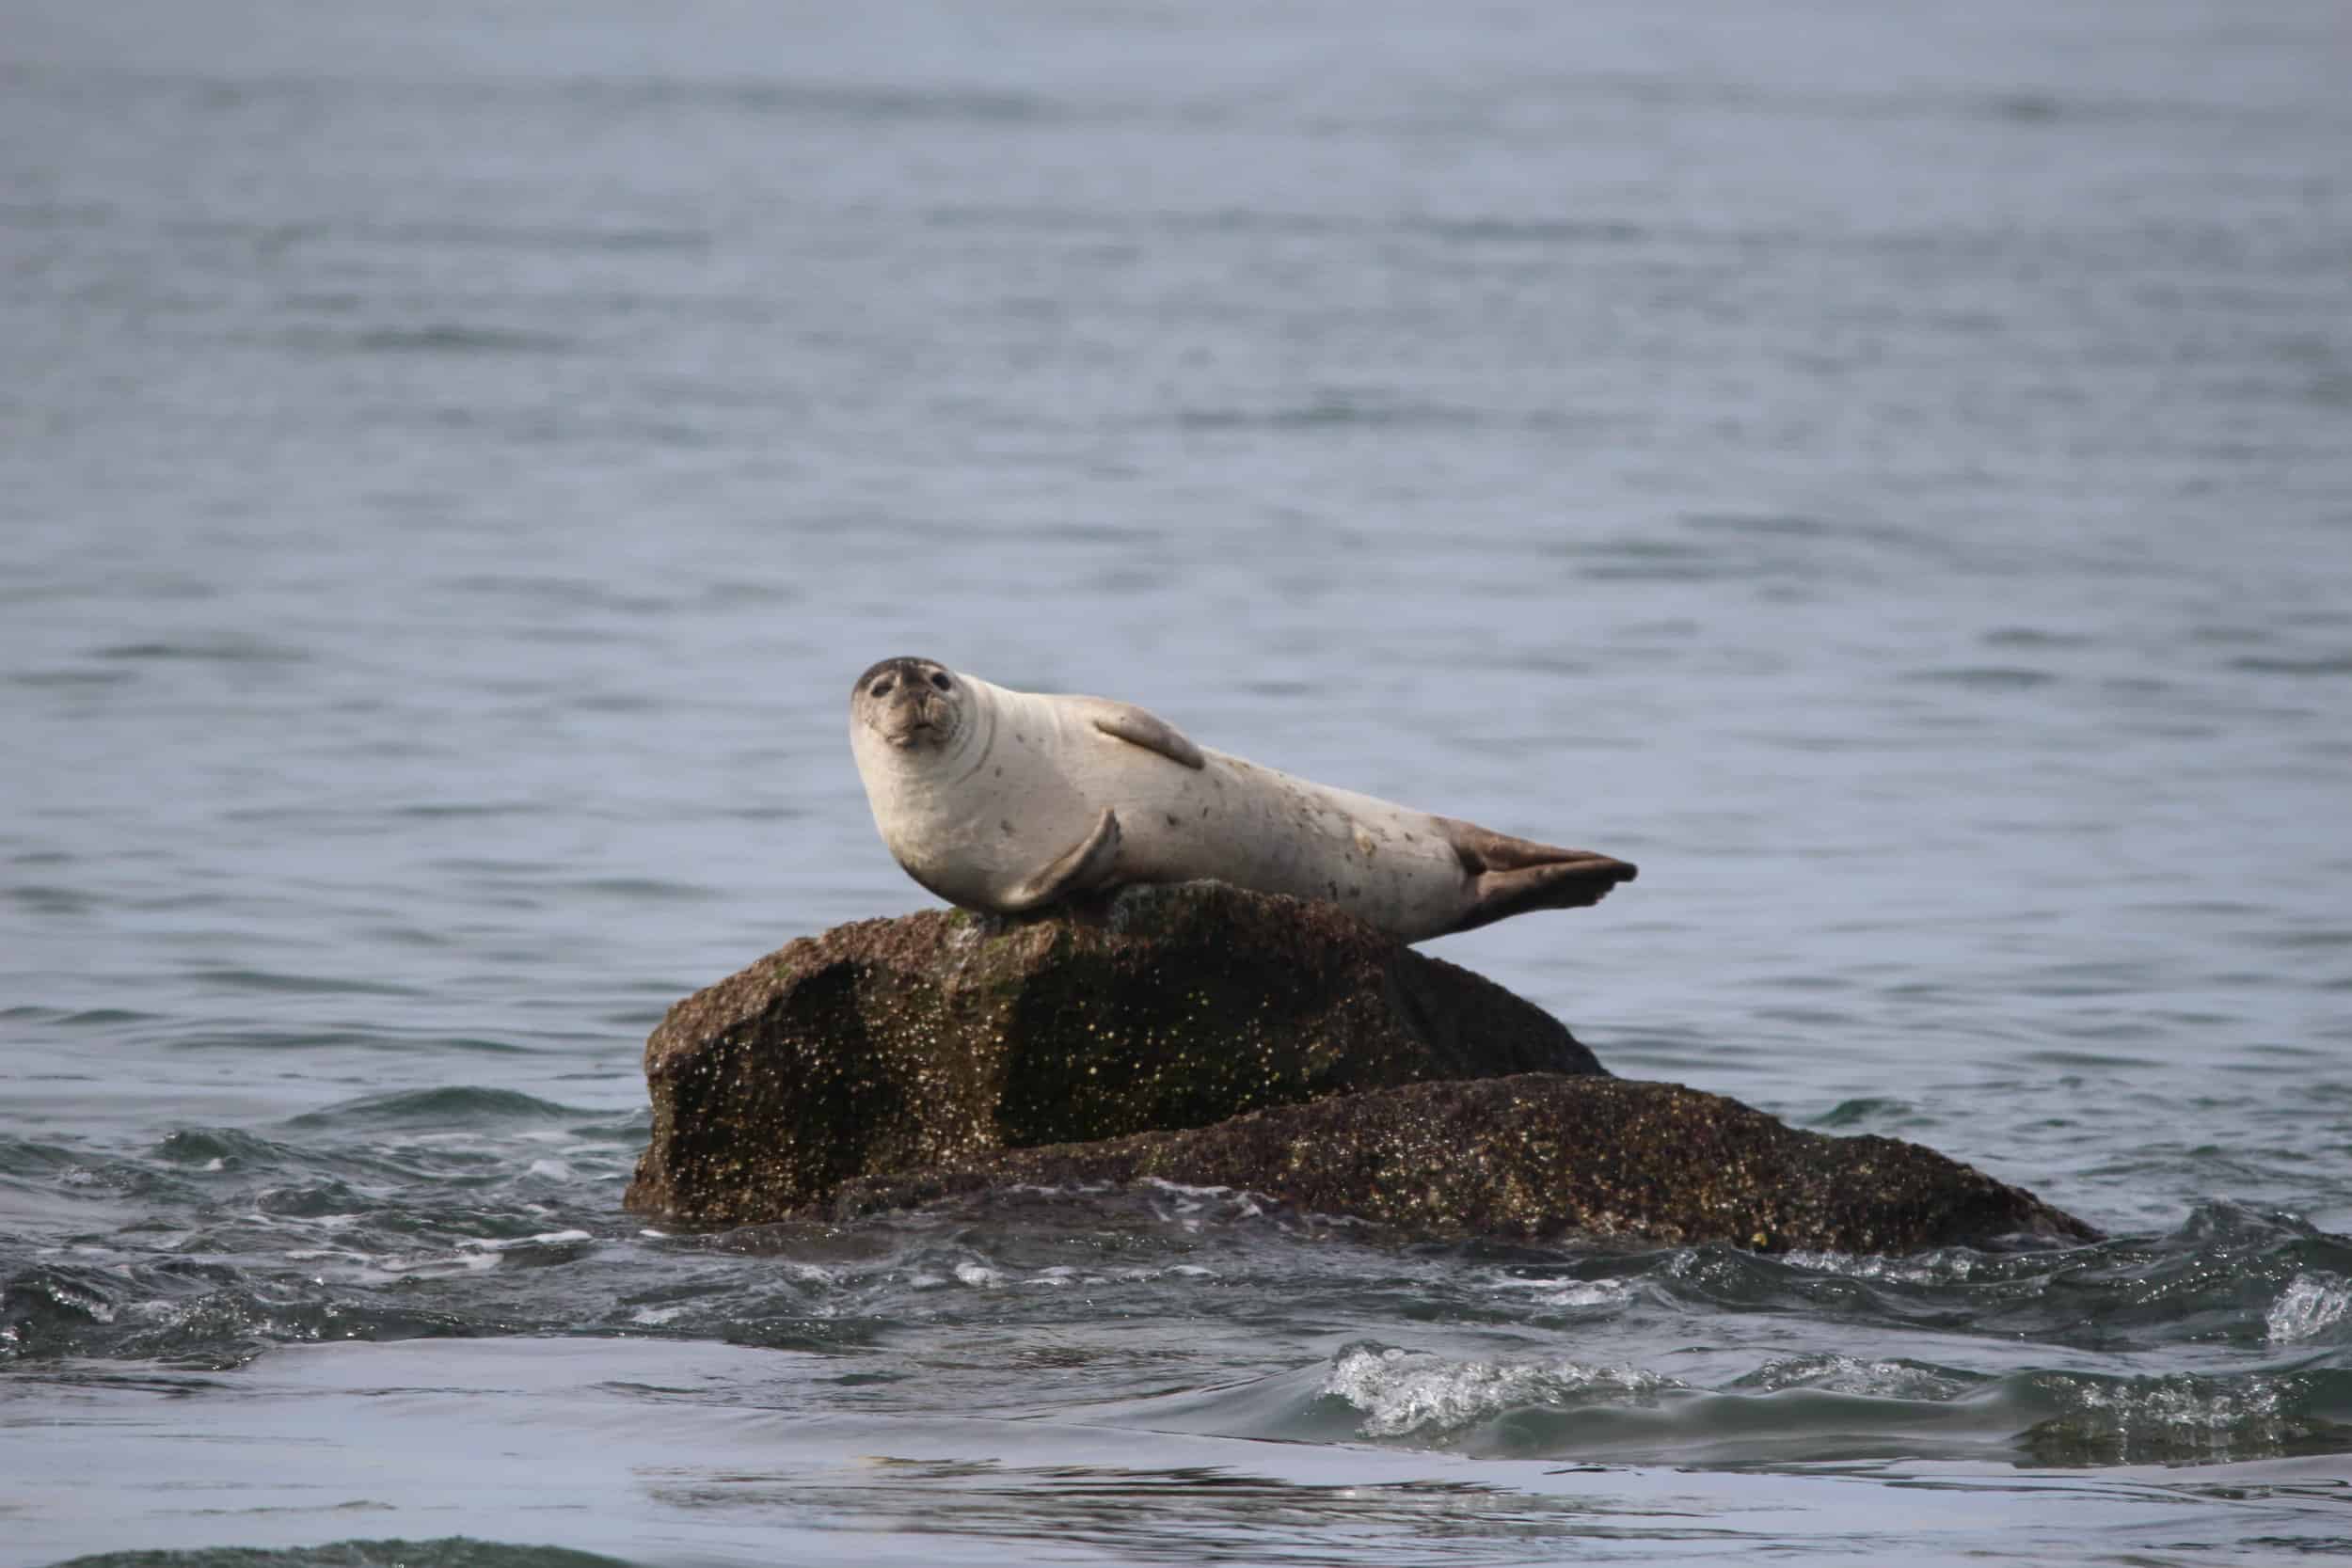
[{"x": 1511, "y": 876}]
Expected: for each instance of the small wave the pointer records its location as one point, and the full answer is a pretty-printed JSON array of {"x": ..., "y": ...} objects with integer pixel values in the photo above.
[
  {"x": 406, "y": 1042},
  {"x": 2178, "y": 1418},
  {"x": 452, "y": 339},
  {"x": 1338, "y": 412},
  {"x": 219, "y": 1148},
  {"x": 1426, "y": 1397},
  {"x": 25, "y": 1157},
  {"x": 454, "y": 1552},
  {"x": 2309, "y": 1306},
  {"x": 69, "y": 680},
  {"x": 1985, "y": 677},
  {"x": 641, "y": 889},
  {"x": 1543, "y": 232},
  {"x": 2033, "y": 637},
  {"x": 1945, "y": 1267},
  {"x": 294, "y": 985},
  {"x": 86, "y": 1018},
  {"x": 843, "y": 100},
  {"x": 1854, "y": 1113},
  {"x": 53, "y": 1293},
  {"x": 1848, "y": 1374},
  {"x": 2333, "y": 664},
  {"x": 442, "y": 1108},
  {"x": 225, "y": 648},
  {"x": 545, "y": 1250},
  {"x": 533, "y": 236},
  {"x": 40, "y": 898},
  {"x": 1571, "y": 1292}
]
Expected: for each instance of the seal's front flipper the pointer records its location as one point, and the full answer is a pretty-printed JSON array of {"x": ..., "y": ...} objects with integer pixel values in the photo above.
[
  {"x": 1081, "y": 868},
  {"x": 1122, "y": 721}
]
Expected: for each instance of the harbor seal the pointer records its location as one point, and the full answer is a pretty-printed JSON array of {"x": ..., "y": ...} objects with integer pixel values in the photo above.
[{"x": 1013, "y": 800}]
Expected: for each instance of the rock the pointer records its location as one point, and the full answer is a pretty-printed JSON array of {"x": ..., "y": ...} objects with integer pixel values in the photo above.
[
  {"x": 937, "y": 1038},
  {"x": 1210, "y": 1036},
  {"x": 1541, "y": 1157}
]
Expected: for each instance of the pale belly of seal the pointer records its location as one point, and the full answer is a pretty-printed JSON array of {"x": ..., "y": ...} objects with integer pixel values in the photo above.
[{"x": 1236, "y": 822}]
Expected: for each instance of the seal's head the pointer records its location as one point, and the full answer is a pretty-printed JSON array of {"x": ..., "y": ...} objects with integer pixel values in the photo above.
[{"x": 914, "y": 705}]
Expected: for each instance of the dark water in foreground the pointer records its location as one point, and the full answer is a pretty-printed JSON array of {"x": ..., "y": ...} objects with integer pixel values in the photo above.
[{"x": 1884, "y": 470}]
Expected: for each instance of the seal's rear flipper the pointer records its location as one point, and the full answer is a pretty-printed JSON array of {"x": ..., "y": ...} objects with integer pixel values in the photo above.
[
  {"x": 1560, "y": 885},
  {"x": 1081, "y": 868},
  {"x": 1511, "y": 876}
]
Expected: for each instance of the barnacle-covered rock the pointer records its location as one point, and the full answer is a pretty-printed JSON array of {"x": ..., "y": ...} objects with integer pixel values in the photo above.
[
  {"x": 893, "y": 1045},
  {"x": 1206, "y": 1036},
  {"x": 1538, "y": 1157}
]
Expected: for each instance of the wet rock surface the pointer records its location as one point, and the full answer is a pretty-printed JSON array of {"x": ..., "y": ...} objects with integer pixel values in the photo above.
[
  {"x": 1541, "y": 1157},
  {"x": 1209, "y": 1037},
  {"x": 934, "y": 1039}
]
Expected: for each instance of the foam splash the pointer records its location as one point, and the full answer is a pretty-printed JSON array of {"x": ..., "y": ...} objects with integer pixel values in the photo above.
[
  {"x": 2174, "y": 1419},
  {"x": 2309, "y": 1306},
  {"x": 508, "y": 1243},
  {"x": 1556, "y": 1291},
  {"x": 1851, "y": 1374},
  {"x": 1404, "y": 1394},
  {"x": 1945, "y": 1267},
  {"x": 1191, "y": 1205}
]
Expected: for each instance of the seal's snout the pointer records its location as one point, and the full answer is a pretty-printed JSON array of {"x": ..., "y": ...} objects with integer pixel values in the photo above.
[
  {"x": 909, "y": 702},
  {"x": 918, "y": 720}
]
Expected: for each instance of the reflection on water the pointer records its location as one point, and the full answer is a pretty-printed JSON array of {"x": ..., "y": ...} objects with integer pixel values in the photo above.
[{"x": 1882, "y": 471}]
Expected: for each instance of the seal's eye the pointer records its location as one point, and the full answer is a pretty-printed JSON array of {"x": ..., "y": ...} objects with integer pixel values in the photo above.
[
  {"x": 941, "y": 681},
  {"x": 881, "y": 687}
]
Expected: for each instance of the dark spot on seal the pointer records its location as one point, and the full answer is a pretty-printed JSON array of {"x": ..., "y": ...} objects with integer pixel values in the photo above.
[
  {"x": 1006, "y": 824},
  {"x": 1171, "y": 821},
  {"x": 1000, "y": 772}
]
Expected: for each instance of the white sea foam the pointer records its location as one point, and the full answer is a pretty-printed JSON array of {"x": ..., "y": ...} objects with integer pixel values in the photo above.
[
  {"x": 1559, "y": 1291},
  {"x": 508, "y": 1243},
  {"x": 1941, "y": 1268},
  {"x": 1032, "y": 1189},
  {"x": 2310, "y": 1305},
  {"x": 1404, "y": 1394},
  {"x": 1185, "y": 1190},
  {"x": 432, "y": 1266},
  {"x": 1852, "y": 1374},
  {"x": 2181, "y": 1417}
]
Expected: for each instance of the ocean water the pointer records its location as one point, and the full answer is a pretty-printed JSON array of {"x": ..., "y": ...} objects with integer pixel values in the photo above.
[{"x": 1886, "y": 469}]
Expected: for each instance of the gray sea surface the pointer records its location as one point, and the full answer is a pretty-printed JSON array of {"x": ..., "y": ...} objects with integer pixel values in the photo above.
[{"x": 1884, "y": 468}]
